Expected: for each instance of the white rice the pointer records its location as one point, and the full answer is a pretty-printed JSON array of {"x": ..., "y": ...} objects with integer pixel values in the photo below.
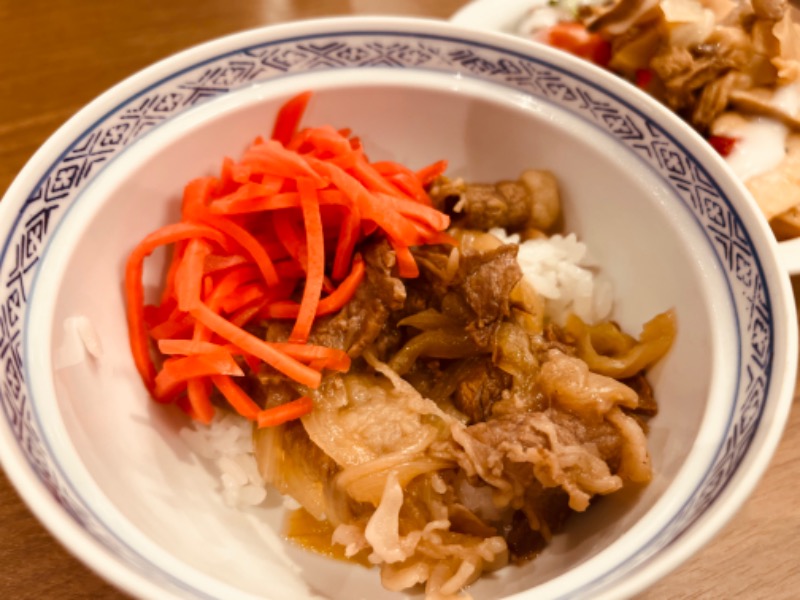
[
  {"x": 80, "y": 343},
  {"x": 558, "y": 267},
  {"x": 228, "y": 443},
  {"x": 561, "y": 270}
]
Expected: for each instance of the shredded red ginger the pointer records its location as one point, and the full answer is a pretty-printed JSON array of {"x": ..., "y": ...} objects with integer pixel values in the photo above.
[{"x": 287, "y": 217}]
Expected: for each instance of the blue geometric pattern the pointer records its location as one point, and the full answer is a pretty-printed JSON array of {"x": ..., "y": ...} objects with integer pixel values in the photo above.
[{"x": 134, "y": 117}]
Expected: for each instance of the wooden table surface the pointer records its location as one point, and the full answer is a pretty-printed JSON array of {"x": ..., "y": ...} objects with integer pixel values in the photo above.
[{"x": 56, "y": 55}]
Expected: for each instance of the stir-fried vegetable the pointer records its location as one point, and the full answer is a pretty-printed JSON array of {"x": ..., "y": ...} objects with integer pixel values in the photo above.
[
  {"x": 730, "y": 69},
  {"x": 274, "y": 236}
]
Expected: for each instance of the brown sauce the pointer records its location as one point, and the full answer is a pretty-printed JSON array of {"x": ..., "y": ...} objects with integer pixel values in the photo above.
[{"x": 305, "y": 531}]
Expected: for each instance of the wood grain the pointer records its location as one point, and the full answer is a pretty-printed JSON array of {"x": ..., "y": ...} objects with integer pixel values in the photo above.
[{"x": 57, "y": 55}]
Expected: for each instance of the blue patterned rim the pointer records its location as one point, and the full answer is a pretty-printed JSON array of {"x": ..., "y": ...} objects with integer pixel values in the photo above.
[{"x": 139, "y": 113}]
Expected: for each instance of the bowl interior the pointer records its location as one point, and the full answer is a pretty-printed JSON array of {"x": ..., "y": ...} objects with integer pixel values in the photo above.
[{"x": 122, "y": 453}]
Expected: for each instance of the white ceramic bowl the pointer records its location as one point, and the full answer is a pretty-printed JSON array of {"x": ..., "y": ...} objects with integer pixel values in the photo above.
[
  {"x": 102, "y": 465},
  {"x": 506, "y": 16}
]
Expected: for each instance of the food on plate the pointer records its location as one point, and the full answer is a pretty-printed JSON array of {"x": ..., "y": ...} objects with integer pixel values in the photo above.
[
  {"x": 729, "y": 68},
  {"x": 422, "y": 366}
]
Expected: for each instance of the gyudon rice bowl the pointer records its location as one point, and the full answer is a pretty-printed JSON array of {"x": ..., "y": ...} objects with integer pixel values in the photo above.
[
  {"x": 428, "y": 369},
  {"x": 450, "y": 345}
]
